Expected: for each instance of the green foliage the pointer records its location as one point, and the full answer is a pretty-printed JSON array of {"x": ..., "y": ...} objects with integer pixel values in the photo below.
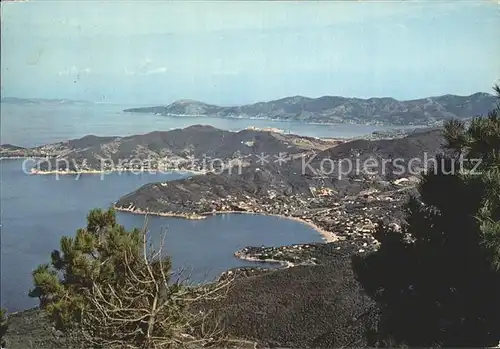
[
  {"x": 109, "y": 288},
  {"x": 438, "y": 282},
  {"x": 95, "y": 255}
]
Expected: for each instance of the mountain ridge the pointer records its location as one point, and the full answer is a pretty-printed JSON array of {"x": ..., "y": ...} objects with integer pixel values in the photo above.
[
  {"x": 259, "y": 181},
  {"x": 338, "y": 109},
  {"x": 193, "y": 147}
]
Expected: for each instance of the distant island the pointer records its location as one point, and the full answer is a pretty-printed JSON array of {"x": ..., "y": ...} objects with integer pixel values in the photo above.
[{"x": 333, "y": 109}]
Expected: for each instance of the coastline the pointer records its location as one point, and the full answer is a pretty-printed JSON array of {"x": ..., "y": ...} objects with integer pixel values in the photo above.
[
  {"x": 160, "y": 214},
  {"x": 133, "y": 171},
  {"x": 282, "y": 120},
  {"x": 327, "y": 236}
]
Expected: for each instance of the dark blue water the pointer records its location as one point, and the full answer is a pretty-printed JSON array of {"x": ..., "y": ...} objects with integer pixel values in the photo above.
[{"x": 37, "y": 210}]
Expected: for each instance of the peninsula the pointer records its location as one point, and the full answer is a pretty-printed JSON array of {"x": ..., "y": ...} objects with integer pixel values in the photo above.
[{"x": 341, "y": 202}]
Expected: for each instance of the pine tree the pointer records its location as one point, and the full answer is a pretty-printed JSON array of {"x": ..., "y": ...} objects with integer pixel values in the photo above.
[
  {"x": 107, "y": 287},
  {"x": 95, "y": 254},
  {"x": 438, "y": 282}
]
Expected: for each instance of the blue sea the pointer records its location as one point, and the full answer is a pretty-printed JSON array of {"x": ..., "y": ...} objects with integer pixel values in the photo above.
[{"x": 36, "y": 211}]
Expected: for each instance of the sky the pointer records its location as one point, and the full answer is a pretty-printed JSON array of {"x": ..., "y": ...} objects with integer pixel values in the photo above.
[{"x": 229, "y": 53}]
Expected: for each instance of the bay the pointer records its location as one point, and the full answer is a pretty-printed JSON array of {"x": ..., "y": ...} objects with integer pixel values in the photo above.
[{"x": 37, "y": 210}]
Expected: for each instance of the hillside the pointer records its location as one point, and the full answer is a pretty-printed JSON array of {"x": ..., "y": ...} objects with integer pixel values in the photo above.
[
  {"x": 334, "y": 109},
  {"x": 300, "y": 177},
  {"x": 323, "y": 307},
  {"x": 191, "y": 148}
]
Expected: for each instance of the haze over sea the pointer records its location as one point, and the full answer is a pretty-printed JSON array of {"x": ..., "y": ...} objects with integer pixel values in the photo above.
[{"x": 37, "y": 210}]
